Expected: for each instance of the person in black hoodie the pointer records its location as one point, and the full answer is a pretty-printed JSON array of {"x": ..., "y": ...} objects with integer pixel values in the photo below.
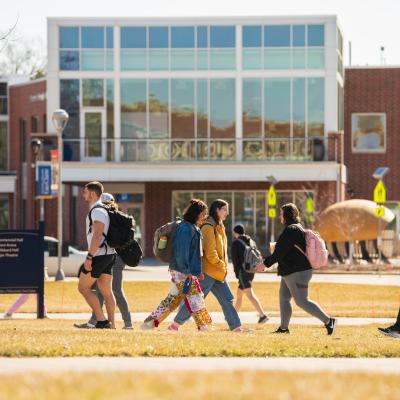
[
  {"x": 245, "y": 278},
  {"x": 295, "y": 270}
]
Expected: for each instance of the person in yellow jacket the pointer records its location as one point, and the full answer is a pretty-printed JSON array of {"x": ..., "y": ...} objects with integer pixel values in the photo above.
[{"x": 215, "y": 267}]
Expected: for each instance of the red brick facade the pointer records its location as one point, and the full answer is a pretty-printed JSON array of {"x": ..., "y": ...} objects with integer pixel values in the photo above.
[{"x": 373, "y": 90}]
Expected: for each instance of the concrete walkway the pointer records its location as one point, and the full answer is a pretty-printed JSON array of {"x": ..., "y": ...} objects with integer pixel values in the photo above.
[
  {"x": 159, "y": 273},
  {"x": 218, "y": 318},
  {"x": 162, "y": 364}
]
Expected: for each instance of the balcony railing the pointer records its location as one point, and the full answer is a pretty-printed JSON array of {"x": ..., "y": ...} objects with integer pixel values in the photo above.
[{"x": 202, "y": 150}]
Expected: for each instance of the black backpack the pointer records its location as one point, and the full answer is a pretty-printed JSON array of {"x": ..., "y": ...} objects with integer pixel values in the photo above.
[{"x": 120, "y": 235}]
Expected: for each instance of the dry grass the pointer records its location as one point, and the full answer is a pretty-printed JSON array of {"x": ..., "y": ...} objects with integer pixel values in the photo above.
[
  {"x": 47, "y": 338},
  {"x": 337, "y": 299},
  {"x": 201, "y": 386}
]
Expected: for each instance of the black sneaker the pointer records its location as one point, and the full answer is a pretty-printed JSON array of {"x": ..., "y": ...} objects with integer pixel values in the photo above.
[
  {"x": 106, "y": 324},
  {"x": 263, "y": 319},
  {"x": 280, "y": 330},
  {"x": 390, "y": 331},
  {"x": 330, "y": 326}
]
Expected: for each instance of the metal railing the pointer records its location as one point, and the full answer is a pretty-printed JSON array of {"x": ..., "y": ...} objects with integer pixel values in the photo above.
[{"x": 202, "y": 150}]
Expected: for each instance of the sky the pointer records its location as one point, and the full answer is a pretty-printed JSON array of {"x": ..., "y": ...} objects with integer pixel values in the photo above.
[{"x": 367, "y": 24}]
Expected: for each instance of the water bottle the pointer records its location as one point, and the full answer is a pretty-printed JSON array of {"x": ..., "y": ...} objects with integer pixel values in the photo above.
[{"x": 162, "y": 243}]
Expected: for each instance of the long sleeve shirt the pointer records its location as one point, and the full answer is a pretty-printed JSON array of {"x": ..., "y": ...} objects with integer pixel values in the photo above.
[{"x": 289, "y": 258}]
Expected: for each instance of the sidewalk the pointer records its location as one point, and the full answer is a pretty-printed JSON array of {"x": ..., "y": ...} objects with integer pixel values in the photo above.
[
  {"x": 218, "y": 318},
  {"x": 162, "y": 364}
]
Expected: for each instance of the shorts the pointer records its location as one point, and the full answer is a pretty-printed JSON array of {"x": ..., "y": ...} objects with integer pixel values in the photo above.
[
  {"x": 245, "y": 279},
  {"x": 101, "y": 265}
]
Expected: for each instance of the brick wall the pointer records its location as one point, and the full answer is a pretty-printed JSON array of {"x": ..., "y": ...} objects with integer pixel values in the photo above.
[{"x": 375, "y": 90}]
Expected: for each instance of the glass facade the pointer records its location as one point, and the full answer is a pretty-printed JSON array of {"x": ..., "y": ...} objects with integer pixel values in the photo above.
[
  {"x": 86, "y": 48},
  {"x": 247, "y": 208},
  {"x": 283, "y": 47}
]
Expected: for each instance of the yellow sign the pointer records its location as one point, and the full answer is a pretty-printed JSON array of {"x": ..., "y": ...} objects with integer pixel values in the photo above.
[
  {"x": 380, "y": 211},
  {"x": 310, "y": 205},
  {"x": 272, "y": 196},
  {"x": 272, "y": 212},
  {"x": 380, "y": 193}
]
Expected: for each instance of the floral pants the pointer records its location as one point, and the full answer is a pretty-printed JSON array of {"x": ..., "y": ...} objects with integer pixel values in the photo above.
[{"x": 194, "y": 301}]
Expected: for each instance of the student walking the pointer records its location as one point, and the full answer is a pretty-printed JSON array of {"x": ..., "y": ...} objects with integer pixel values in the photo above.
[
  {"x": 117, "y": 271},
  {"x": 215, "y": 265},
  {"x": 238, "y": 247},
  {"x": 100, "y": 258},
  {"x": 393, "y": 330},
  {"x": 186, "y": 270},
  {"x": 295, "y": 270}
]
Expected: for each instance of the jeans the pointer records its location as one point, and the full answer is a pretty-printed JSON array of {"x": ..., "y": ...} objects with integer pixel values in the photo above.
[
  {"x": 223, "y": 294},
  {"x": 119, "y": 298}
]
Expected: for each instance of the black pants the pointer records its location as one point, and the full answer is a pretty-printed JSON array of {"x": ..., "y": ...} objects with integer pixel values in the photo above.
[{"x": 397, "y": 323}]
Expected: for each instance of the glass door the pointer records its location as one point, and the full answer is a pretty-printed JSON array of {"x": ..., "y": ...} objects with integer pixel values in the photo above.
[{"x": 94, "y": 130}]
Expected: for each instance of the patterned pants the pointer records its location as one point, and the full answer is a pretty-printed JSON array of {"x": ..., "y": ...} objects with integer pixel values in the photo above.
[{"x": 194, "y": 301}]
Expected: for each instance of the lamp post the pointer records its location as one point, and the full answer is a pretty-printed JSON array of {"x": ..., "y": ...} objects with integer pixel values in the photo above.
[
  {"x": 36, "y": 145},
  {"x": 60, "y": 120}
]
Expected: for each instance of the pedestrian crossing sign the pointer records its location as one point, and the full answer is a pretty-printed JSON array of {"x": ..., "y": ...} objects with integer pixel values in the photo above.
[
  {"x": 380, "y": 211},
  {"x": 271, "y": 196},
  {"x": 380, "y": 193},
  {"x": 272, "y": 212}
]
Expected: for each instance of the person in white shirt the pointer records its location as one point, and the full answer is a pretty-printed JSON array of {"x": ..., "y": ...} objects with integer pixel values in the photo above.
[{"x": 100, "y": 258}]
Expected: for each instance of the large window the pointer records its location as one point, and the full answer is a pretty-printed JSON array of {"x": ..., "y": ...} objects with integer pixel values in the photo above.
[
  {"x": 69, "y": 101},
  {"x": 182, "y": 108},
  {"x": 93, "y": 92},
  {"x": 283, "y": 47},
  {"x": 368, "y": 132},
  {"x": 178, "y": 48},
  {"x": 3, "y": 98},
  {"x": 86, "y": 48},
  {"x": 3, "y": 146},
  {"x": 282, "y": 113}
]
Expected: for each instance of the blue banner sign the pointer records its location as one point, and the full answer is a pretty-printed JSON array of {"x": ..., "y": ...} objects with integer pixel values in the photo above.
[{"x": 44, "y": 179}]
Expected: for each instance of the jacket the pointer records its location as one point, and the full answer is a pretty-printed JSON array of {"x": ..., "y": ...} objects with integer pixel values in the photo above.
[
  {"x": 237, "y": 253},
  {"x": 215, "y": 250},
  {"x": 186, "y": 245},
  {"x": 289, "y": 258}
]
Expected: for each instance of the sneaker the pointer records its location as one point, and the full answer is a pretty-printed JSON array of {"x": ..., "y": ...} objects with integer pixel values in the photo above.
[
  {"x": 173, "y": 327},
  {"x": 243, "y": 330},
  {"x": 390, "y": 331},
  {"x": 263, "y": 319},
  {"x": 7, "y": 315},
  {"x": 128, "y": 327},
  {"x": 106, "y": 324},
  {"x": 330, "y": 326},
  {"x": 148, "y": 324},
  {"x": 280, "y": 330},
  {"x": 85, "y": 325}
]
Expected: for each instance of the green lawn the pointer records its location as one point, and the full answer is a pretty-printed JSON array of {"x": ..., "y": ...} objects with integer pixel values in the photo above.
[
  {"x": 201, "y": 386},
  {"x": 338, "y": 299},
  {"x": 50, "y": 338}
]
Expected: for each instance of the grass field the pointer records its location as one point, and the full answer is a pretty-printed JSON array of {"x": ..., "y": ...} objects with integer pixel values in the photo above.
[
  {"x": 47, "y": 338},
  {"x": 338, "y": 299},
  {"x": 201, "y": 386}
]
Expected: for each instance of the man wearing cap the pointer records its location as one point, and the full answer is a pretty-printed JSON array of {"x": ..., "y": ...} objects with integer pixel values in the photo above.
[
  {"x": 245, "y": 278},
  {"x": 100, "y": 258}
]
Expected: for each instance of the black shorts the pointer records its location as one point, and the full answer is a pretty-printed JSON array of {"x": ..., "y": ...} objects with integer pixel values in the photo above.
[
  {"x": 245, "y": 279},
  {"x": 101, "y": 265}
]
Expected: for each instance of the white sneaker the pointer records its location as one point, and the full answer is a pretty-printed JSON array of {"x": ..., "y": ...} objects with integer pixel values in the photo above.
[
  {"x": 7, "y": 315},
  {"x": 85, "y": 325},
  {"x": 148, "y": 324}
]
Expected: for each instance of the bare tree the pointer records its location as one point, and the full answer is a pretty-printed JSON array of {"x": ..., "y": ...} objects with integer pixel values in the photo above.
[{"x": 21, "y": 55}]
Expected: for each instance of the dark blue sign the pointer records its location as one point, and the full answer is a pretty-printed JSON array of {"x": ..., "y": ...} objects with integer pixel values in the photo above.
[
  {"x": 22, "y": 264},
  {"x": 43, "y": 180},
  {"x": 124, "y": 198}
]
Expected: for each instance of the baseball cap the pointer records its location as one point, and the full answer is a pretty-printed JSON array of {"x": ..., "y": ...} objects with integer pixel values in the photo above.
[{"x": 107, "y": 198}]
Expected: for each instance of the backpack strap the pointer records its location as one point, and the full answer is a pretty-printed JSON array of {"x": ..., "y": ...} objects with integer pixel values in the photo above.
[
  {"x": 243, "y": 243},
  {"x": 300, "y": 228},
  {"x": 91, "y": 223}
]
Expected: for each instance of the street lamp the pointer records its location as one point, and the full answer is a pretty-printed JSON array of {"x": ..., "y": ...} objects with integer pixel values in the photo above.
[
  {"x": 36, "y": 145},
  {"x": 60, "y": 120}
]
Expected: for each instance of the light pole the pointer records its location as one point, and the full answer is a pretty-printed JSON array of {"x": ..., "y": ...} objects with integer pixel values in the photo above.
[
  {"x": 60, "y": 120},
  {"x": 36, "y": 145},
  {"x": 380, "y": 200}
]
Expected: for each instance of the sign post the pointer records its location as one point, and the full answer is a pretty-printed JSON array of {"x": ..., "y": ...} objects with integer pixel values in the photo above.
[
  {"x": 272, "y": 210},
  {"x": 380, "y": 200}
]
